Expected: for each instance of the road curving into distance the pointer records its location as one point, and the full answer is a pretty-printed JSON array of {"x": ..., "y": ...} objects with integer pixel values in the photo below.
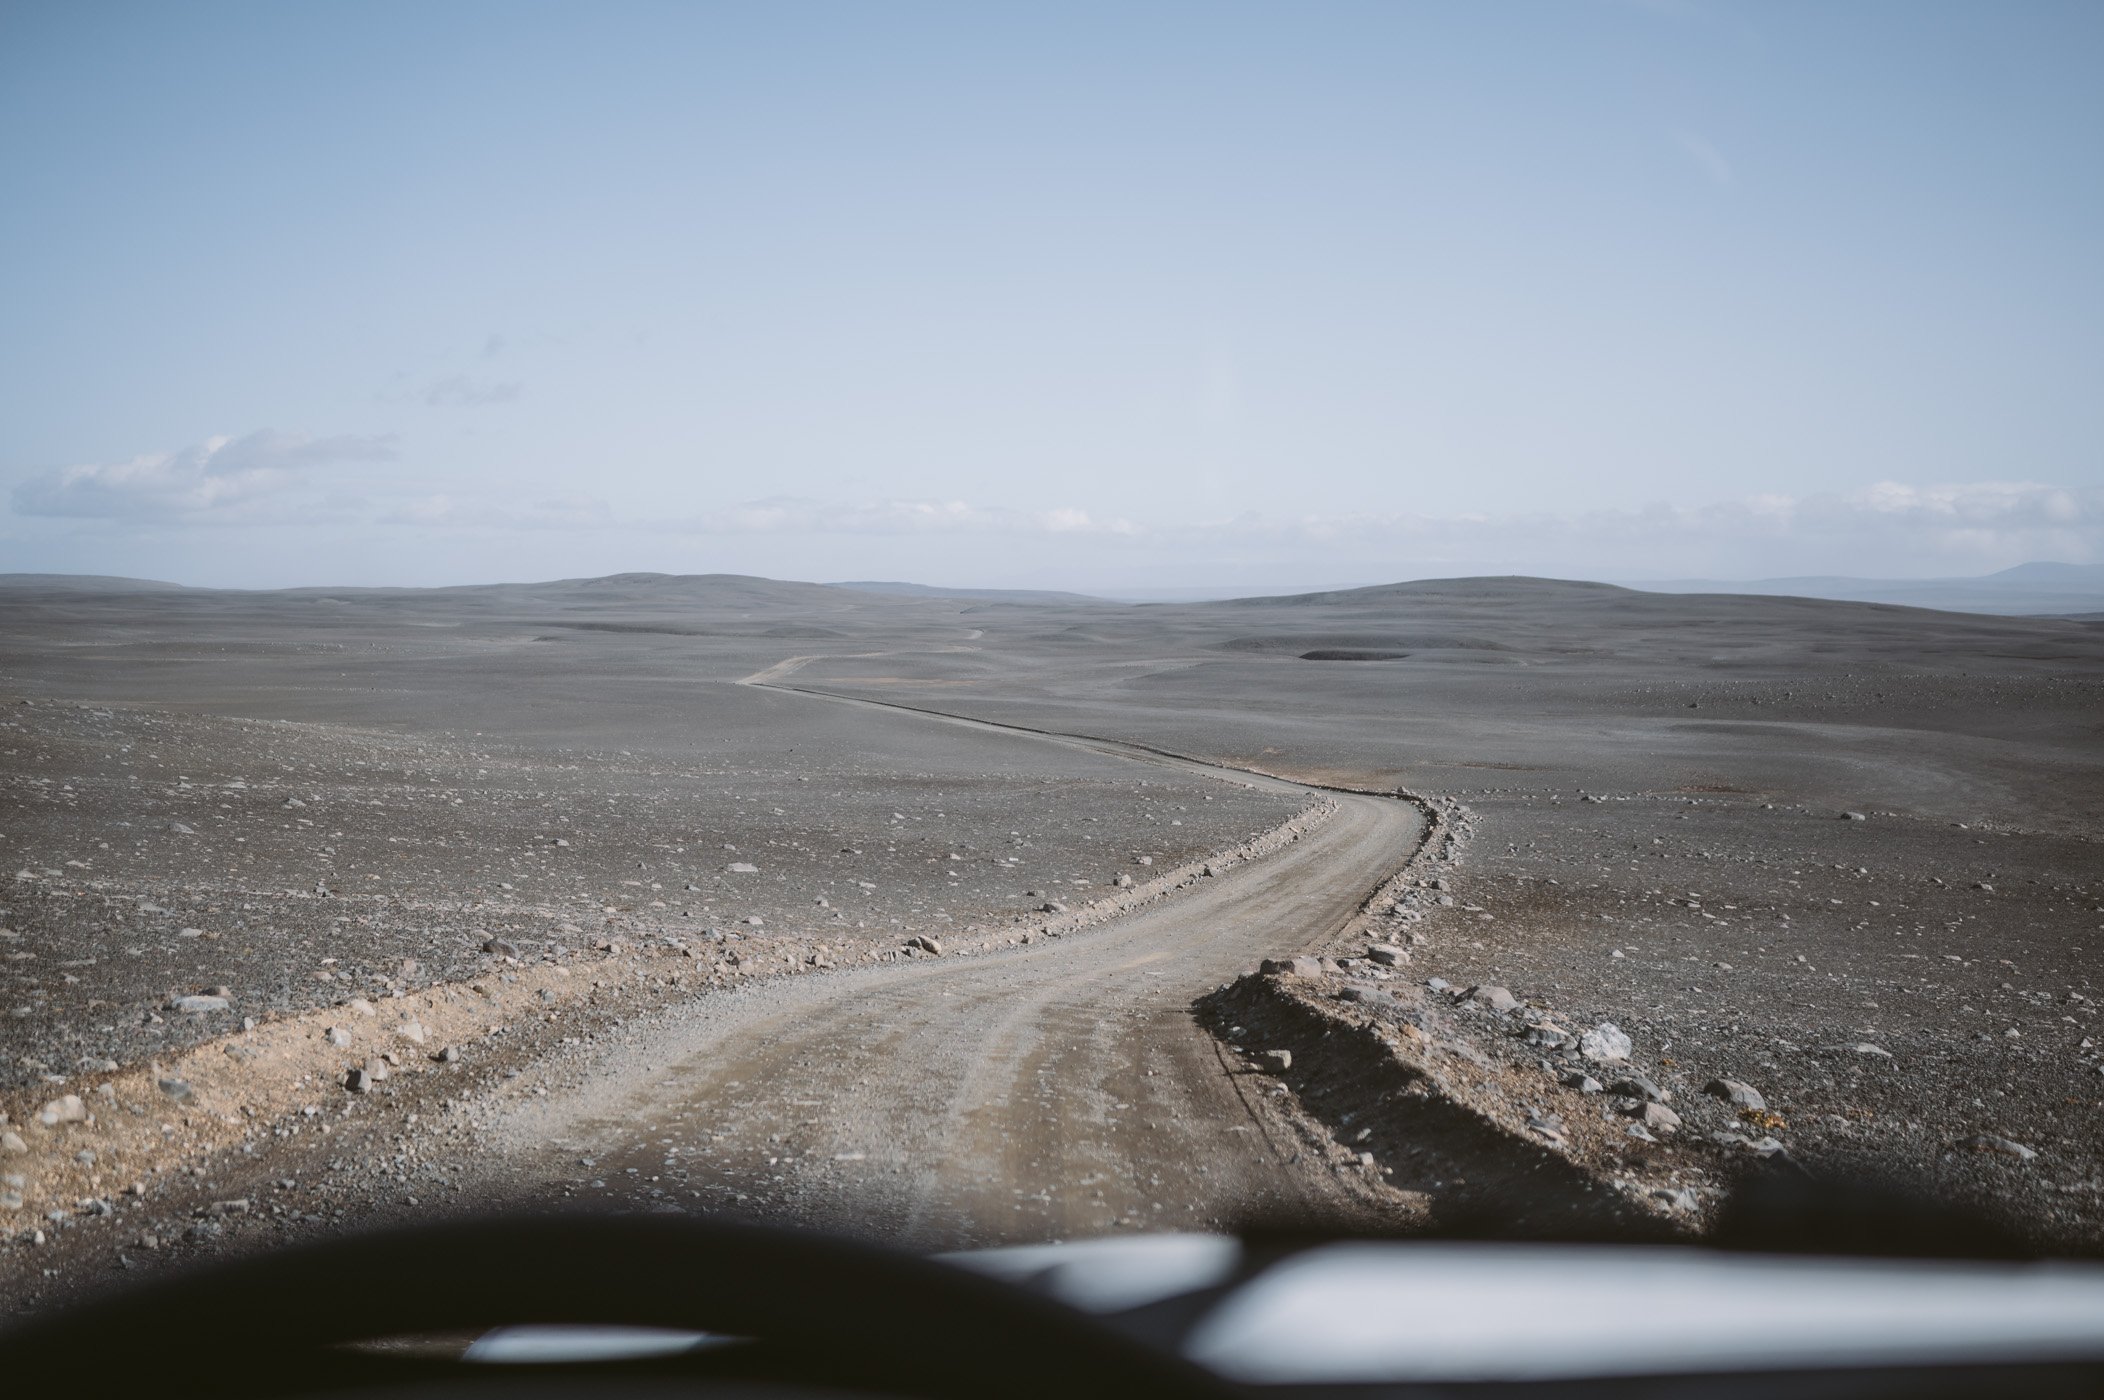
[{"x": 1057, "y": 1089}]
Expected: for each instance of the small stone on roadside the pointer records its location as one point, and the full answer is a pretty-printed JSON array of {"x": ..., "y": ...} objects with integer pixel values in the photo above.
[
  {"x": 2001, "y": 1146},
  {"x": 67, "y": 1108},
  {"x": 1638, "y": 1086},
  {"x": 1735, "y": 1093},
  {"x": 1658, "y": 1118},
  {"x": 1605, "y": 1043}
]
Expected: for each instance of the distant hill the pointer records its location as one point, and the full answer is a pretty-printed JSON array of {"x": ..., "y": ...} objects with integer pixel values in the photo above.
[
  {"x": 976, "y": 595},
  {"x": 2041, "y": 589},
  {"x": 1515, "y": 586},
  {"x": 85, "y": 583}
]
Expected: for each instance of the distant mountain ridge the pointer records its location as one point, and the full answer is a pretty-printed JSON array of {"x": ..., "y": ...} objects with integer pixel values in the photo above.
[
  {"x": 87, "y": 583},
  {"x": 1487, "y": 586},
  {"x": 2039, "y": 588},
  {"x": 982, "y": 595}
]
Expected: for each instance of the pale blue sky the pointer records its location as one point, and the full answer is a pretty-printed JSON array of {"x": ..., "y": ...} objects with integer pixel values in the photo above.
[{"x": 1078, "y": 295}]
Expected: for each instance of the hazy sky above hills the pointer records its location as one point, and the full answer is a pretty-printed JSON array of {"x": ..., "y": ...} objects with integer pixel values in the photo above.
[{"x": 1058, "y": 295}]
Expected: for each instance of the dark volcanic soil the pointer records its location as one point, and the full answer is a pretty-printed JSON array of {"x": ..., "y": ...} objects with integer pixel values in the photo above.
[
  {"x": 310, "y": 798},
  {"x": 156, "y": 855},
  {"x": 1660, "y": 792}
]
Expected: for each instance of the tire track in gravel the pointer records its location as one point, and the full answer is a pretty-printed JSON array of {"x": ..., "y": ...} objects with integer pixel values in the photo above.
[{"x": 1057, "y": 1089}]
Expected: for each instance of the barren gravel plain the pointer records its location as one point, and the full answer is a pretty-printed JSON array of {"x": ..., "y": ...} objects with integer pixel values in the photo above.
[{"x": 940, "y": 920}]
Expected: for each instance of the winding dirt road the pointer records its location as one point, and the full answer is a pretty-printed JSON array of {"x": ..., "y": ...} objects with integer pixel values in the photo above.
[{"x": 1052, "y": 1090}]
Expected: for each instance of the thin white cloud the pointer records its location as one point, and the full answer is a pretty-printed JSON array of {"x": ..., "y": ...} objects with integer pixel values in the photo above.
[
  {"x": 219, "y": 478},
  {"x": 1900, "y": 527},
  {"x": 1889, "y": 527},
  {"x": 459, "y": 391},
  {"x": 793, "y": 515}
]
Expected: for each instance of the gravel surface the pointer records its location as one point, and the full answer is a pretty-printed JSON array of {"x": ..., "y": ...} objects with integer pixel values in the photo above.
[{"x": 1841, "y": 856}]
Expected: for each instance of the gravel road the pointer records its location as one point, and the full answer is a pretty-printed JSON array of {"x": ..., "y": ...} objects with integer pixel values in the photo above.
[{"x": 1057, "y": 1089}]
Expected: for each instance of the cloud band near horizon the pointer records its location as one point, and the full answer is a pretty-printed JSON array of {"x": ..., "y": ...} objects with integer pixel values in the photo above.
[{"x": 273, "y": 479}]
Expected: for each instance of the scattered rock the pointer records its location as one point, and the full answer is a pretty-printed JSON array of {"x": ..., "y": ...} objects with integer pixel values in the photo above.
[
  {"x": 337, "y": 1036},
  {"x": 741, "y": 867},
  {"x": 65, "y": 1109},
  {"x": 2006, "y": 1147},
  {"x": 1605, "y": 1044},
  {"x": 11, "y": 1144},
  {"x": 359, "y": 1006},
  {"x": 1581, "y": 1081},
  {"x": 1658, "y": 1118},
  {"x": 1866, "y": 1048},
  {"x": 411, "y": 1031},
  {"x": 1638, "y": 1086},
  {"x": 1496, "y": 998},
  {"x": 1854, "y": 817},
  {"x": 1735, "y": 1093},
  {"x": 1292, "y": 967},
  {"x": 1123, "y": 881},
  {"x": 358, "y": 1081},
  {"x": 177, "y": 1089},
  {"x": 1278, "y": 1061},
  {"x": 500, "y": 947},
  {"x": 1053, "y": 906},
  {"x": 447, "y": 1056},
  {"x": 1387, "y": 955},
  {"x": 198, "y": 1005}
]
